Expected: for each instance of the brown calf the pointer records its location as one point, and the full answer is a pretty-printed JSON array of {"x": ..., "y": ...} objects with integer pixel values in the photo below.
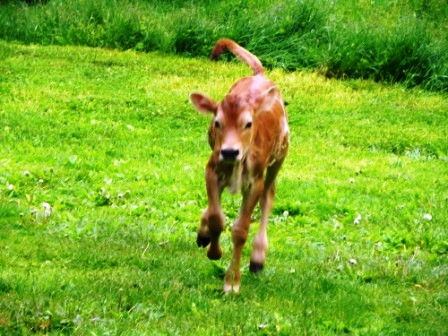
[{"x": 249, "y": 138}]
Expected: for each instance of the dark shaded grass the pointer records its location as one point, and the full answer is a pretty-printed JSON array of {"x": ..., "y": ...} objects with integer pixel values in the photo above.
[
  {"x": 402, "y": 42},
  {"x": 405, "y": 54}
]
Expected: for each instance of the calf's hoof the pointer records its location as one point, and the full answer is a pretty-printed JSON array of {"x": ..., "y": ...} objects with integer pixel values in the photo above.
[
  {"x": 202, "y": 241},
  {"x": 228, "y": 289},
  {"x": 255, "y": 267},
  {"x": 214, "y": 253}
]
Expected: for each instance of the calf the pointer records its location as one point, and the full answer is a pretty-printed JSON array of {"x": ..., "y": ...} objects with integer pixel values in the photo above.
[{"x": 249, "y": 139}]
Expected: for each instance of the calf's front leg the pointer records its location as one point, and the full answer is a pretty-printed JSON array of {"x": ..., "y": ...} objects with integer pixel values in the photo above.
[
  {"x": 212, "y": 221},
  {"x": 240, "y": 231}
]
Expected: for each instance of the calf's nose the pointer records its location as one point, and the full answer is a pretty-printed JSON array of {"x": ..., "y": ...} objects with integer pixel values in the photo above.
[{"x": 229, "y": 154}]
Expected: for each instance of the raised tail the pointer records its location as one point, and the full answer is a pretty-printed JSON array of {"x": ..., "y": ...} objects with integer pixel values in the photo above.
[{"x": 244, "y": 55}]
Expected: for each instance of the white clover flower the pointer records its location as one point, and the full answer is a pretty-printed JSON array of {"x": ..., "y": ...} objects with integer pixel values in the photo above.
[
  {"x": 11, "y": 187},
  {"x": 351, "y": 180},
  {"x": 352, "y": 262},
  {"x": 26, "y": 173},
  {"x": 41, "y": 181},
  {"x": 357, "y": 220},
  {"x": 120, "y": 195},
  {"x": 47, "y": 209},
  {"x": 427, "y": 217},
  {"x": 336, "y": 225},
  {"x": 263, "y": 326}
]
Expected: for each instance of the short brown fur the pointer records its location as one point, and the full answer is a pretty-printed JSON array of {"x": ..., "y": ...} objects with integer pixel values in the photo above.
[{"x": 249, "y": 138}]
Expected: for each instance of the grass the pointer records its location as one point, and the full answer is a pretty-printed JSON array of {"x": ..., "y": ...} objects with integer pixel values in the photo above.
[
  {"x": 400, "y": 41},
  {"x": 109, "y": 140}
]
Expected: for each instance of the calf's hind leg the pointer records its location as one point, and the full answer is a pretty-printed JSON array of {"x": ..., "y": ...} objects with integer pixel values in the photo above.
[{"x": 260, "y": 244}]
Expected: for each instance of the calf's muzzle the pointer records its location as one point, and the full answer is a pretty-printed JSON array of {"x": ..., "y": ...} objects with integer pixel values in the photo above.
[{"x": 229, "y": 154}]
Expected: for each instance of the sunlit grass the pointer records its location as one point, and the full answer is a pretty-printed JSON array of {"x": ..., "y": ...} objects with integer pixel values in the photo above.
[{"x": 110, "y": 142}]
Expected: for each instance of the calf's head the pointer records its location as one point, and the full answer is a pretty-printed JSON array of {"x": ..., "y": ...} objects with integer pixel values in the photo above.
[{"x": 234, "y": 121}]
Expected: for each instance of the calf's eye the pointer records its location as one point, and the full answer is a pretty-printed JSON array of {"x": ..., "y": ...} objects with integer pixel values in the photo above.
[
  {"x": 217, "y": 124},
  {"x": 249, "y": 125}
]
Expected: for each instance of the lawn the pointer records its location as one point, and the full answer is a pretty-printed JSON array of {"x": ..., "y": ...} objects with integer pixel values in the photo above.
[{"x": 102, "y": 186}]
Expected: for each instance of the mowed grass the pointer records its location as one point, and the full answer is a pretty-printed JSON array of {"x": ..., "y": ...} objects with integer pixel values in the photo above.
[{"x": 108, "y": 139}]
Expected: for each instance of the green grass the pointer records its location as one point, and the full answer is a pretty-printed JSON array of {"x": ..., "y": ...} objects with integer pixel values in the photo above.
[
  {"x": 389, "y": 41},
  {"x": 110, "y": 141}
]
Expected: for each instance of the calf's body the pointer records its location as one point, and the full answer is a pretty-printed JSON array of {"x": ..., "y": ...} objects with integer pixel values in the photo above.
[{"x": 249, "y": 139}]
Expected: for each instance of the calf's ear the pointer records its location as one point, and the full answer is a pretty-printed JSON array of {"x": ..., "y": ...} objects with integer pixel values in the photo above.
[
  {"x": 203, "y": 103},
  {"x": 267, "y": 99}
]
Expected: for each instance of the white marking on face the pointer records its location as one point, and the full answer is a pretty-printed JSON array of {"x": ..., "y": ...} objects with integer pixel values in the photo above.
[{"x": 231, "y": 142}]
